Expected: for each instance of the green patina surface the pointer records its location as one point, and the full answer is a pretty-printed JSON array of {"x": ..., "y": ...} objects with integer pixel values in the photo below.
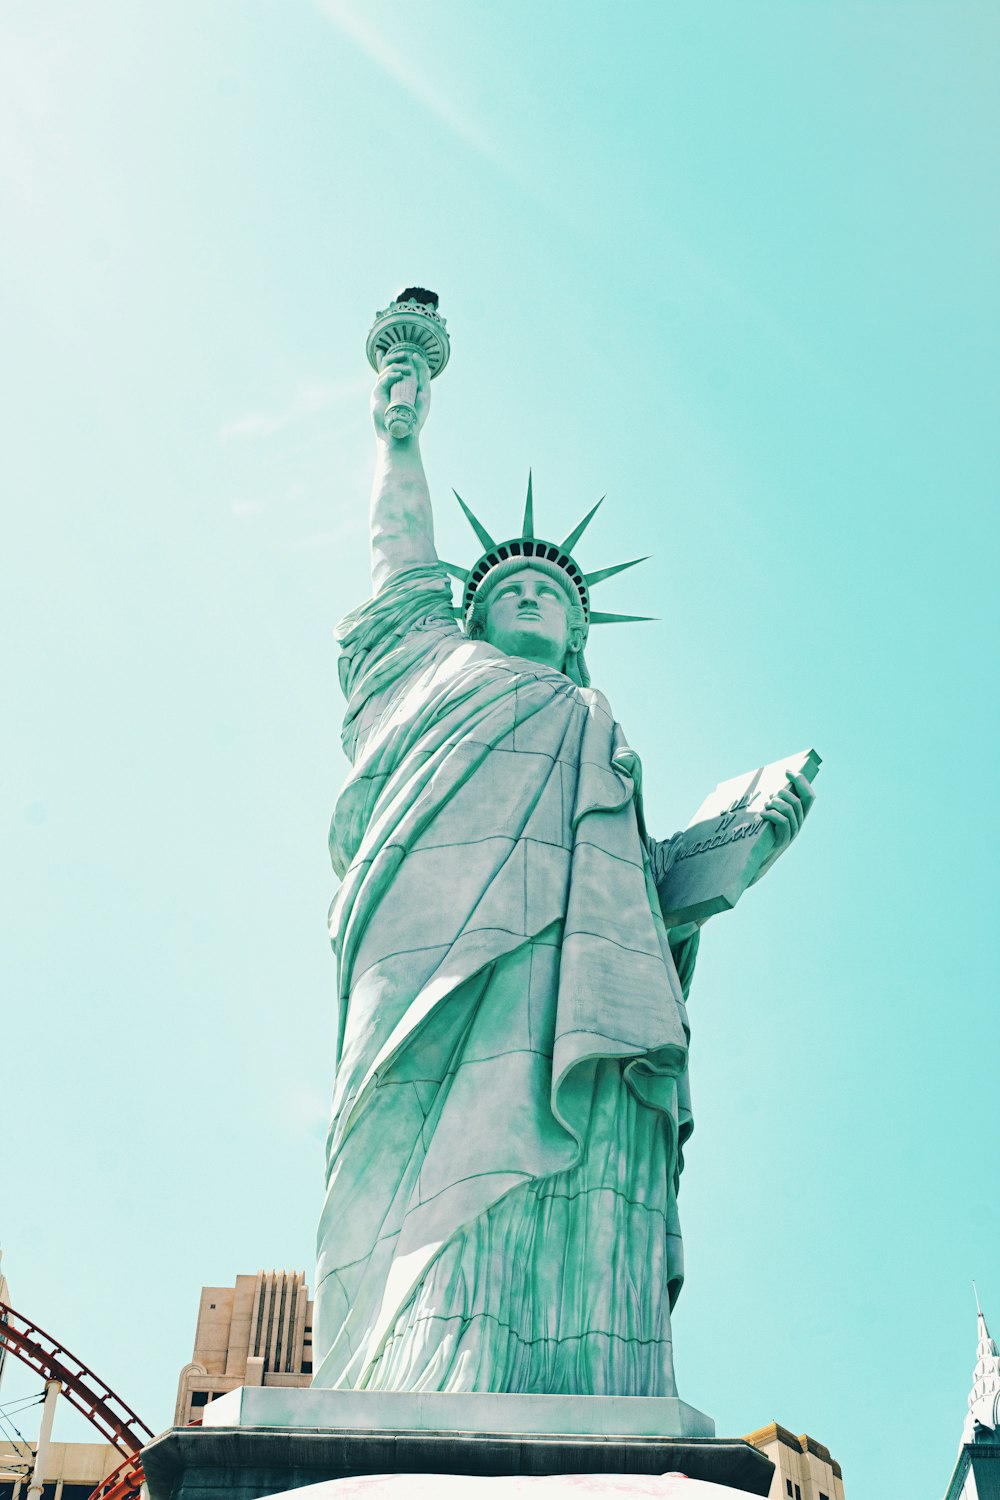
[{"x": 511, "y": 1100}]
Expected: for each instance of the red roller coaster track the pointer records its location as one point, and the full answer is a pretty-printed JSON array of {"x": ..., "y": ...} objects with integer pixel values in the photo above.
[{"x": 117, "y": 1423}]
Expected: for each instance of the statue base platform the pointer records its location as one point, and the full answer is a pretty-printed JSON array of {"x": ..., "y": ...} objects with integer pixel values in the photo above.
[{"x": 260, "y": 1441}]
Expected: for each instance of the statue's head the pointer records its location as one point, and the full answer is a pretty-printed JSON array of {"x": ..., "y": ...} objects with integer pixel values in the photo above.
[
  {"x": 528, "y": 597},
  {"x": 531, "y": 609}
]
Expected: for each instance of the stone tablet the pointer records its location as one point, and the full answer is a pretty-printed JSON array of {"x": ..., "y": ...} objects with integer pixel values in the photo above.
[{"x": 727, "y": 843}]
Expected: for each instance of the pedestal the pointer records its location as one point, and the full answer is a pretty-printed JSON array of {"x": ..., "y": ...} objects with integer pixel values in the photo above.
[{"x": 260, "y": 1441}]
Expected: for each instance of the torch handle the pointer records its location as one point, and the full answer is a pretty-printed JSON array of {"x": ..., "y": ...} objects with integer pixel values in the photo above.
[{"x": 401, "y": 413}]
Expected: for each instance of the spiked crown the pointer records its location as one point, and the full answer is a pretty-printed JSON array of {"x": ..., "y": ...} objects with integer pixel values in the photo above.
[{"x": 535, "y": 549}]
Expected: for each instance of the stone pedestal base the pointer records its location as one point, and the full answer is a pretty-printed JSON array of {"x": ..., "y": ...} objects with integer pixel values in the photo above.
[
  {"x": 262, "y": 1441},
  {"x": 296, "y": 1410}
]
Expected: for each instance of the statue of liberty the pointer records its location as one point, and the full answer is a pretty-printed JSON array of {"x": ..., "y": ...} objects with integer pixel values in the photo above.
[{"x": 511, "y": 1102}]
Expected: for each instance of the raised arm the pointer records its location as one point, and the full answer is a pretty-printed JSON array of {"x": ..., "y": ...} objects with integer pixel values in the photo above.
[{"x": 402, "y": 526}]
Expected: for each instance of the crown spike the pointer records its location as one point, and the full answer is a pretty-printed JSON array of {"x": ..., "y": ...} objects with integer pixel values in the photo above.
[
  {"x": 528, "y": 524},
  {"x": 462, "y": 574},
  {"x": 577, "y": 532},
  {"x": 591, "y": 578},
  {"x": 599, "y": 617},
  {"x": 484, "y": 537}
]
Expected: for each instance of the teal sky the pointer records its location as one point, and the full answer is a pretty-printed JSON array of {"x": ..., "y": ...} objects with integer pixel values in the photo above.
[{"x": 734, "y": 264}]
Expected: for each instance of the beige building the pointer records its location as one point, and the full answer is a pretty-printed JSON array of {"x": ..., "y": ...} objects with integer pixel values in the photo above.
[
  {"x": 72, "y": 1470},
  {"x": 803, "y": 1468},
  {"x": 258, "y": 1332}
]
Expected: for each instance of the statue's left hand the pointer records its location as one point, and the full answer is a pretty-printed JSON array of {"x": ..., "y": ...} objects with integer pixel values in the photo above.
[{"x": 786, "y": 812}]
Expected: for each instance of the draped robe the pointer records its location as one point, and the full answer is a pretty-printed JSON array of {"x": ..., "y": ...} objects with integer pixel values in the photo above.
[{"x": 511, "y": 1095}]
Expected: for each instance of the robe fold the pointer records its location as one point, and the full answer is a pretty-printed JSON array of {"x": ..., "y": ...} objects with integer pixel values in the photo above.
[{"x": 511, "y": 1096}]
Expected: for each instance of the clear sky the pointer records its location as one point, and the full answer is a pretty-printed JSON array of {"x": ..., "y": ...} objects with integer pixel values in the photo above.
[{"x": 733, "y": 264}]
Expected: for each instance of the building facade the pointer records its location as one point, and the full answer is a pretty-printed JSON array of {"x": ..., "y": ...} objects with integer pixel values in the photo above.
[
  {"x": 803, "y": 1468},
  {"x": 72, "y": 1470},
  {"x": 258, "y": 1332}
]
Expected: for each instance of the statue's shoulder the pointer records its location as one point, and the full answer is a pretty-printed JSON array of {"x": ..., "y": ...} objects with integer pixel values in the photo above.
[
  {"x": 379, "y": 637},
  {"x": 596, "y": 701},
  {"x": 410, "y": 599}
]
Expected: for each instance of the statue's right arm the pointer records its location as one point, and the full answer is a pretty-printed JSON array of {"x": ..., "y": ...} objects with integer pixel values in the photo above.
[{"x": 402, "y": 525}]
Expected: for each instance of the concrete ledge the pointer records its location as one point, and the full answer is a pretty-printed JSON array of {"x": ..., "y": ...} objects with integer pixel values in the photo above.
[
  {"x": 476, "y": 1412},
  {"x": 243, "y": 1463}
]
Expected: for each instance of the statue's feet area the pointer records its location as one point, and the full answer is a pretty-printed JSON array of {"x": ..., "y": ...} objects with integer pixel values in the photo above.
[{"x": 540, "y": 1294}]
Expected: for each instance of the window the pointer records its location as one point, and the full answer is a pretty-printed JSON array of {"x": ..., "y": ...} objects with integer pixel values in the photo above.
[
  {"x": 199, "y": 1398},
  {"x": 822, "y": 1496},
  {"x": 77, "y": 1491},
  {"x": 798, "y": 1493},
  {"x": 788, "y": 1485},
  {"x": 307, "y": 1367}
]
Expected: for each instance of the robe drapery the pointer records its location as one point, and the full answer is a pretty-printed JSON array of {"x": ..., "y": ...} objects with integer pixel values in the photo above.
[{"x": 511, "y": 1096}]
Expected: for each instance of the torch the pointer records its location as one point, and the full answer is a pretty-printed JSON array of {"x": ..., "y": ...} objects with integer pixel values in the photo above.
[{"x": 411, "y": 324}]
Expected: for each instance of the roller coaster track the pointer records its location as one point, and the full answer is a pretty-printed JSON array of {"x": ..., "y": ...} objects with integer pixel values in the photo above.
[
  {"x": 117, "y": 1423},
  {"x": 123, "y": 1483}
]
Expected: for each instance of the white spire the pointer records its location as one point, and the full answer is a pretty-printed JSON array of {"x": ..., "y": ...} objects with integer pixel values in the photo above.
[{"x": 984, "y": 1398}]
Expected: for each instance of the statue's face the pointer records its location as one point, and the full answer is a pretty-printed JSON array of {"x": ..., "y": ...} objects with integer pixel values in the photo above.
[{"x": 528, "y": 615}]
